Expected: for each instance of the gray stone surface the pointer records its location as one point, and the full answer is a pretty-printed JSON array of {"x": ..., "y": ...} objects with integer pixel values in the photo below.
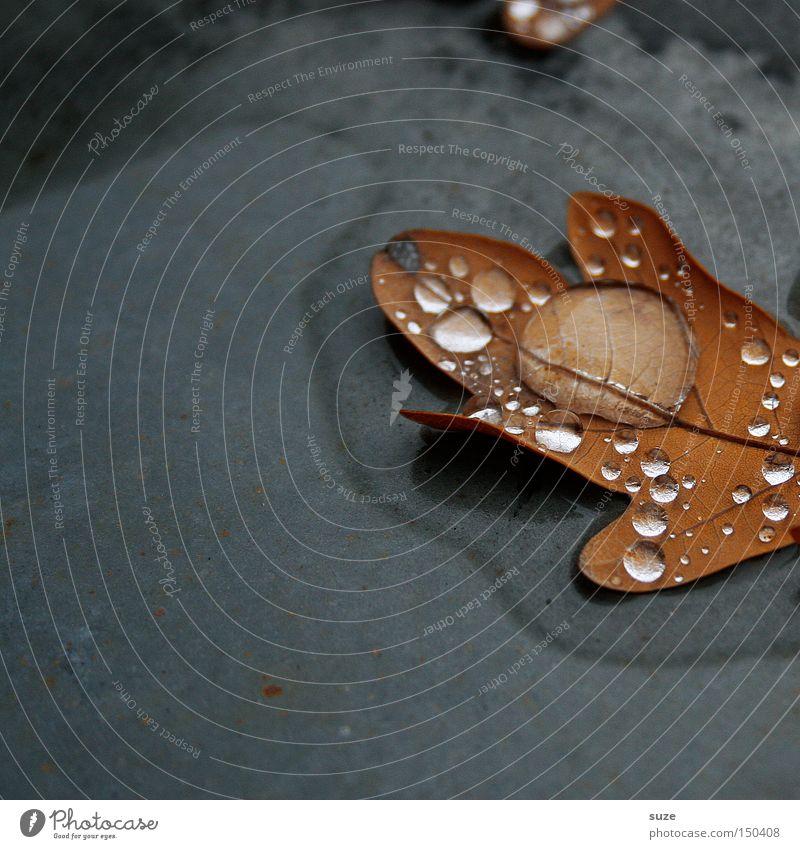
[{"x": 292, "y": 652}]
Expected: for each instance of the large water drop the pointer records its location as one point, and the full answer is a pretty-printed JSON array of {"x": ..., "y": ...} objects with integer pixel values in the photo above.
[{"x": 559, "y": 430}]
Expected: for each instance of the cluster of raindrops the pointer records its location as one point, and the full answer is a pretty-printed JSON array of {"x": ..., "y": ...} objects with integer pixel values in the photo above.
[{"x": 460, "y": 304}]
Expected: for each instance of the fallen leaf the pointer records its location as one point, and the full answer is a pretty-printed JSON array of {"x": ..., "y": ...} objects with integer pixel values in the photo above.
[
  {"x": 545, "y": 24},
  {"x": 650, "y": 379}
]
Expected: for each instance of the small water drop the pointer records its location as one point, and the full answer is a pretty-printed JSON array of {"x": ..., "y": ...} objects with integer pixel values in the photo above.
[
  {"x": 531, "y": 411},
  {"x": 650, "y": 520},
  {"x": 560, "y": 431},
  {"x": 461, "y": 331},
  {"x": 635, "y": 225},
  {"x": 515, "y": 429},
  {"x": 432, "y": 294},
  {"x": 631, "y": 256},
  {"x": 447, "y": 365},
  {"x": 704, "y": 550},
  {"x": 730, "y": 319},
  {"x": 611, "y": 471},
  {"x": 491, "y": 414},
  {"x": 755, "y": 352},
  {"x": 766, "y": 534},
  {"x": 775, "y": 507},
  {"x": 664, "y": 489},
  {"x": 539, "y": 293},
  {"x": 741, "y": 494},
  {"x": 776, "y": 380},
  {"x": 644, "y": 561},
  {"x": 727, "y": 529},
  {"x": 758, "y": 427},
  {"x": 523, "y": 10},
  {"x": 595, "y": 266},
  {"x": 604, "y": 223},
  {"x": 633, "y": 484},
  {"x": 400, "y": 314},
  {"x": 493, "y": 290},
  {"x": 625, "y": 441},
  {"x": 655, "y": 462},
  {"x": 770, "y": 401},
  {"x": 664, "y": 272},
  {"x": 777, "y": 468},
  {"x": 512, "y": 405},
  {"x": 689, "y": 481},
  {"x": 791, "y": 358},
  {"x": 458, "y": 265},
  {"x": 685, "y": 561},
  {"x": 413, "y": 327}
]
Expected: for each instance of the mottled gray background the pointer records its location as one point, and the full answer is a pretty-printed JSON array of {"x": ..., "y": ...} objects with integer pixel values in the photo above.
[{"x": 294, "y": 656}]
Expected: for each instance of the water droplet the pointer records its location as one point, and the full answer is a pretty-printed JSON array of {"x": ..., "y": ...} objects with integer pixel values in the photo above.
[
  {"x": 766, "y": 534},
  {"x": 775, "y": 507},
  {"x": 741, "y": 494},
  {"x": 755, "y": 352},
  {"x": 531, "y": 411},
  {"x": 432, "y": 294},
  {"x": 679, "y": 579},
  {"x": 777, "y": 380},
  {"x": 689, "y": 481},
  {"x": 655, "y": 462},
  {"x": 413, "y": 327},
  {"x": 625, "y": 441},
  {"x": 461, "y": 331},
  {"x": 491, "y": 414},
  {"x": 758, "y": 427},
  {"x": 777, "y": 468},
  {"x": 447, "y": 365},
  {"x": 515, "y": 429},
  {"x": 595, "y": 266},
  {"x": 770, "y": 401},
  {"x": 635, "y": 225},
  {"x": 539, "y": 293},
  {"x": 493, "y": 290},
  {"x": 512, "y": 405},
  {"x": 727, "y": 529},
  {"x": 730, "y": 319},
  {"x": 664, "y": 272},
  {"x": 400, "y": 314},
  {"x": 633, "y": 484},
  {"x": 458, "y": 265},
  {"x": 664, "y": 489},
  {"x": 791, "y": 358},
  {"x": 523, "y": 10},
  {"x": 560, "y": 431},
  {"x": 631, "y": 256},
  {"x": 685, "y": 561},
  {"x": 650, "y": 520},
  {"x": 430, "y": 265},
  {"x": 611, "y": 471},
  {"x": 604, "y": 223},
  {"x": 644, "y": 561}
]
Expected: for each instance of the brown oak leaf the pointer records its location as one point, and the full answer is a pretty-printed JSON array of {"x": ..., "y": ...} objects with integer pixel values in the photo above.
[{"x": 650, "y": 379}]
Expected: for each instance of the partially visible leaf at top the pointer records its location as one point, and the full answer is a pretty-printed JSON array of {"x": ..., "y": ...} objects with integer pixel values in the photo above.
[
  {"x": 650, "y": 379},
  {"x": 546, "y": 24}
]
